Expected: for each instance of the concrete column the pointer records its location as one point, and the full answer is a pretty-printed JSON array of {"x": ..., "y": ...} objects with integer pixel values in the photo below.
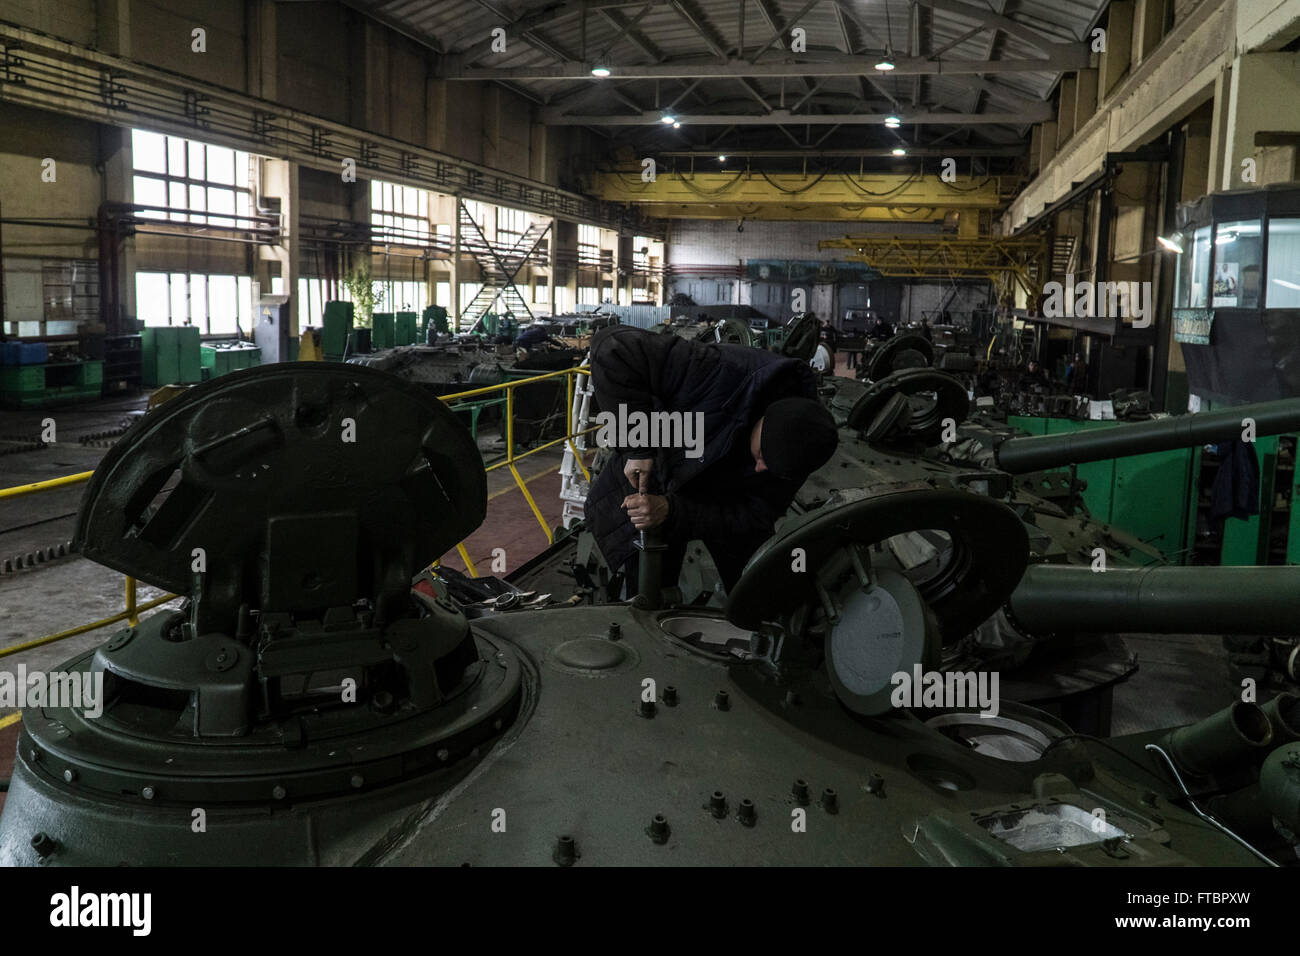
[
  {"x": 1065, "y": 111},
  {"x": 1047, "y": 148},
  {"x": 1119, "y": 45},
  {"x": 119, "y": 187},
  {"x": 1148, "y": 28},
  {"x": 1219, "y": 178},
  {"x": 1265, "y": 90},
  {"x": 1085, "y": 97},
  {"x": 455, "y": 266},
  {"x": 260, "y": 54},
  {"x": 112, "y": 26},
  {"x": 552, "y": 248},
  {"x": 1196, "y": 160},
  {"x": 280, "y": 179},
  {"x": 1035, "y": 149}
]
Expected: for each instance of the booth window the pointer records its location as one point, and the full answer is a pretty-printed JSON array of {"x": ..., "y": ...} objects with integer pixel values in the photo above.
[
  {"x": 1237, "y": 258},
  {"x": 1283, "y": 264},
  {"x": 1194, "y": 272}
]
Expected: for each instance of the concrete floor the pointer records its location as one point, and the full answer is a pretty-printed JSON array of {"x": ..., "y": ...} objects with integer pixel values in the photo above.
[{"x": 1180, "y": 678}]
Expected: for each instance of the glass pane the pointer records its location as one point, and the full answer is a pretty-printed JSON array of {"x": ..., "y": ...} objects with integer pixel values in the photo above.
[
  {"x": 1238, "y": 246},
  {"x": 221, "y": 200},
  {"x": 149, "y": 151},
  {"x": 179, "y": 299},
  {"x": 221, "y": 165},
  {"x": 199, "y": 302},
  {"x": 1283, "y": 264},
  {"x": 442, "y": 294},
  {"x": 151, "y": 297},
  {"x": 241, "y": 169},
  {"x": 177, "y": 198},
  {"x": 197, "y": 166},
  {"x": 223, "y": 305},
  {"x": 149, "y": 192},
  {"x": 175, "y": 156},
  {"x": 245, "y": 286},
  {"x": 1199, "y": 296}
]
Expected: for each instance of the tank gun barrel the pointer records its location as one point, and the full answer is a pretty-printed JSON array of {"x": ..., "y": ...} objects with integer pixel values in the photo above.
[
  {"x": 1021, "y": 455},
  {"x": 1159, "y": 600}
]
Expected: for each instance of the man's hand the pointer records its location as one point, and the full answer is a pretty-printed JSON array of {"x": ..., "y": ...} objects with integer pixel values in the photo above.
[
  {"x": 642, "y": 465},
  {"x": 646, "y": 511}
]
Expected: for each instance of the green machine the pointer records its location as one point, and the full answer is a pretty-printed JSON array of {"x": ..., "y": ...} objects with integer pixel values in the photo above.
[
  {"x": 170, "y": 355},
  {"x": 337, "y": 324},
  {"x": 382, "y": 330},
  {"x": 404, "y": 328}
]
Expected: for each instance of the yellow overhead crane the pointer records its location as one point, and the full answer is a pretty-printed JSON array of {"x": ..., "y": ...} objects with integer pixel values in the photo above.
[
  {"x": 755, "y": 194},
  {"x": 999, "y": 259}
]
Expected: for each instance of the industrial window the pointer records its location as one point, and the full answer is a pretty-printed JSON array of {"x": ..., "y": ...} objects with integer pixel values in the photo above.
[
  {"x": 442, "y": 294},
  {"x": 478, "y": 211},
  {"x": 399, "y": 214},
  {"x": 511, "y": 226},
  {"x": 588, "y": 295},
  {"x": 183, "y": 180},
  {"x": 588, "y": 245},
  {"x": 312, "y": 296},
  {"x": 1237, "y": 250},
  {"x": 1283, "y": 264},
  {"x": 402, "y": 295},
  {"x": 541, "y": 289},
  {"x": 1194, "y": 273},
  {"x": 640, "y": 254},
  {"x": 216, "y": 304}
]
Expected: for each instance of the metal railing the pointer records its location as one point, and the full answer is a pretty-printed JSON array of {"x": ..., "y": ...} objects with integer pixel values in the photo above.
[{"x": 131, "y": 613}]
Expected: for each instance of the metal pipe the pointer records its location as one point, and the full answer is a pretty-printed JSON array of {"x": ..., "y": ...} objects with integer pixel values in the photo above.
[
  {"x": 1222, "y": 740},
  {"x": 1020, "y": 455},
  {"x": 1160, "y": 600},
  {"x": 1283, "y": 713},
  {"x": 650, "y": 570}
]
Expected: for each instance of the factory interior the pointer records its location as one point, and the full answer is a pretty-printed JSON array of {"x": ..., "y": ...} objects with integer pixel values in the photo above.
[{"x": 311, "y": 313}]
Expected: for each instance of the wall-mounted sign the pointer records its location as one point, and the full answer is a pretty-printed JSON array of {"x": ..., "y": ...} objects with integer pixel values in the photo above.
[{"x": 1193, "y": 326}]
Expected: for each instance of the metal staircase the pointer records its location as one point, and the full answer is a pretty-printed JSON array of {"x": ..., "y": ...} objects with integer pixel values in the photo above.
[{"x": 499, "y": 266}]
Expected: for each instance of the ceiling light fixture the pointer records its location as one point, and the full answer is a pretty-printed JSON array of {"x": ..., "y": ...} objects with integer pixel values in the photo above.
[
  {"x": 898, "y": 151},
  {"x": 677, "y": 124},
  {"x": 886, "y": 63},
  {"x": 1170, "y": 244},
  {"x": 668, "y": 118},
  {"x": 600, "y": 71},
  {"x": 893, "y": 122},
  {"x": 722, "y": 159}
]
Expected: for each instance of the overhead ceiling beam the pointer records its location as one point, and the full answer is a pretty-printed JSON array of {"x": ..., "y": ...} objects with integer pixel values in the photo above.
[
  {"x": 980, "y": 28},
  {"x": 755, "y": 92},
  {"x": 701, "y": 25},
  {"x": 1071, "y": 58},
  {"x": 777, "y": 117},
  {"x": 778, "y": 33},
  {"x": 520, "y": 28},
  {"x": 989, "y": 18},
  {"x": 628, "y": 27},
  {"x": 847, "y": 11},
  {"x": 870, "y": 153}
]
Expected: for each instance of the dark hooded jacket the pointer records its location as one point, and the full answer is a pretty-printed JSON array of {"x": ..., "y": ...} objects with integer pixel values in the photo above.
[{"x": 718, "y": 497}]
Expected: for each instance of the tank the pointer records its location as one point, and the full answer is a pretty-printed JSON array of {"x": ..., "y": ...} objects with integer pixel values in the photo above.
[{"x": 322, "y": 699}]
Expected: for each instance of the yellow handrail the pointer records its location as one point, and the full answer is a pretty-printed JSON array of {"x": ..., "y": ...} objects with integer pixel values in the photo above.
[{"x": 131, "y": 614}]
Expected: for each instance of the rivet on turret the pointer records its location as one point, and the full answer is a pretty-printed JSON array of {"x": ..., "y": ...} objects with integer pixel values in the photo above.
[
  {"x": 721, "y": 701},
  {"x": 69, "y": 775},
  {"x": 566, "y": 851},
  {"x": 747, "y": 815},
  {"x": 718, "y": 804},
  {"x": 147, "y": 793},
  {"x": 658, "y": 829},
  {"x": 800, "y": 791},
  {"x": 615, "y": 630},
  {"x": 278, "y": 792},
  {"x": 830, "y": 800},
  {"x": 357, "y": 781},
  {"x": 670, "y": 696}
]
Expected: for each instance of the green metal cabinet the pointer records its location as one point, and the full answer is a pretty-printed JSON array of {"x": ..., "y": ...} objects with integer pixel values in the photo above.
[
  {"x": 1150, "y": 497},
  {"x": 1099, "y": 475},
  {"x": 382, "y": 330}
]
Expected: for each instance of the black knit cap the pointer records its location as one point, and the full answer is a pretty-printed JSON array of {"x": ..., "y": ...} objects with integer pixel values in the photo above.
[{"x": 798, "y": 437}]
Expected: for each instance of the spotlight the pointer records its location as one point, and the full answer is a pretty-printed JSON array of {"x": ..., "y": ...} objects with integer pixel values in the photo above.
[
  {"x": 600, "y": 71},
  {"x": 893, "y": 122},
  {"x": 898, "y": 151},
  {"x": 886, "y": 64},
  {"x": 722, "y": 159},
  {"x": 677, "y": 124},
  {"x": 1170, "y": 244},
  {"x": 668, "y": 118}
]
